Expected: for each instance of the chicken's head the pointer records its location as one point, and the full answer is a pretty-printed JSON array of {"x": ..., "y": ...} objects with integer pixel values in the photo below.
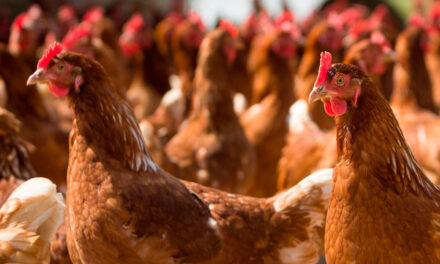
[
  {"x": 288, "y": 34},
  {"x": 377, "y": 55},
  {"x": 23, "y": 37},
  {"x": 337, "y": 86},
  {"x": 193, "y": 30},
  {"x": 59, "y": 74},
  {"x": 230, "y": 41},
  {"x": 135, "y": 36},
  {"x": 249, "y": 29}
]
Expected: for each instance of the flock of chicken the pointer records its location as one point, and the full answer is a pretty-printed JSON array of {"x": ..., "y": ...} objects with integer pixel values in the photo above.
[{"x": 178, "y": 144}]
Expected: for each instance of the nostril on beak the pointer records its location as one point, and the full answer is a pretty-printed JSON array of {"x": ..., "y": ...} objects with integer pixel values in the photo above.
[
  {"x": 35, "y": 77},
  {"x": 317, "y": 93}
]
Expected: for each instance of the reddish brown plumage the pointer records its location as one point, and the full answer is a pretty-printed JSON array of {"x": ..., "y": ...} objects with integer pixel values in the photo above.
[{"x": 383, "y": 209}]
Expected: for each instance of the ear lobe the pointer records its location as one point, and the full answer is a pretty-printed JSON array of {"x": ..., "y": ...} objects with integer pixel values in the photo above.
[
  {"x": 357, "y": 83},
  {"x": 78, "y": 82},
  {"x": 356, "y": 96}
]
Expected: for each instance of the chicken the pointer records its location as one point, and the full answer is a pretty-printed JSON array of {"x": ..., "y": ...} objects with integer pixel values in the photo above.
[
  {"x": 39, "y": 127},
  {"x": 185, "y": 44},
  {"x": 323, "y": 36},
  {"x": 138, "y": 213},
  {"x": 28, "y": 222},
  {"x": 412, "y": 101},
  {"x": 273, "y": 55},
  {"x": 102, "y": 28},
  {"x": 147, "y": 65},
  {"x": 241, "y": 80},
  {"x": 66, "y": 19},
  {"x": 308, "y": 148},
  {"x": 176, "y": 104},
  {"x": 380, "y": 19},
  {"x": 163, "y": 34},
  {"x": 383, "y": 209},
  {"x": 27, "y": 33},
  {"x": 375, "y": 57},
  {"x": 211, "y": 148}
]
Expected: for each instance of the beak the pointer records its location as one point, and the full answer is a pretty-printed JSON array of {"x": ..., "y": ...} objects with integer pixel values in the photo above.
[
  {"x": 36, "y": 77},
  {"x": 317, "y": 93}
]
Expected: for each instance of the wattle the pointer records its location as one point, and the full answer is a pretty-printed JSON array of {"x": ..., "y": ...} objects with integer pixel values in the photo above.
[
  {"x": 335, "y": 107},
  {"x": 328, "y": 109},
  {"x": 59, "y": 90}
]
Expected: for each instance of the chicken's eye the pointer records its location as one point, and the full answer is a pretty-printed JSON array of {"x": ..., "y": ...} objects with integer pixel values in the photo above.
[
  {"x": 61, "y": 67},
  {"x": 340, "y": 80}
]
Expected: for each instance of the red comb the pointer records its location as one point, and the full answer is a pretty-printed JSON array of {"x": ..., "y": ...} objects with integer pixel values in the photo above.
[
  {"x": 378, "y": 38},
  {"x": 34, "y": 11},
  {"x": 93, "y": 14},
  {"x": 265, "y": 22},
  {"x": 351, "y": 15},
  {"x": 336, "y": 20},
  {"x": 75, "y": 34},
  {"x": 378, "y": 15},
  {"x": 19, "y": 21},
  {"x": 66, "y": 13},
  {"x": 229, "y": 27},
  {"x": 417, "y": 20},
  {"x": 51, "y": 52},
  {"x": 434, "y": 13},
  {"x": 284, "y": 17},
  {"x": 324, "y": 65},
  {"x": 135, "y": 23},
  {"x": 362, "y": 26},
  {"x": 251, "y": 21},
  {"x": 193, "y": 17}
]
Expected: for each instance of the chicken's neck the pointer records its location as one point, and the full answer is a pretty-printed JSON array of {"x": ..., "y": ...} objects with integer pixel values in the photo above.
[
  {"x": 412, "y": 81},
  {"x": 107, "y": 123},
  {"x": 185, "y": 60},
  {"x": 370, "y": 140},
  {"x": 417, "y": 90},
  {"x": 282, "y": 70},
  {"x": 212, "y": 98}
]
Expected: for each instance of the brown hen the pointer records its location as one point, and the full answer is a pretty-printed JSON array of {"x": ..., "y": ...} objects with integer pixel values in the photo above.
[
  {"x": 211, "y": 148},
  {"x": 138, "y": 213},
  {"x": 273, "y": 56},
  {"x": 383, "y": 209}
]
